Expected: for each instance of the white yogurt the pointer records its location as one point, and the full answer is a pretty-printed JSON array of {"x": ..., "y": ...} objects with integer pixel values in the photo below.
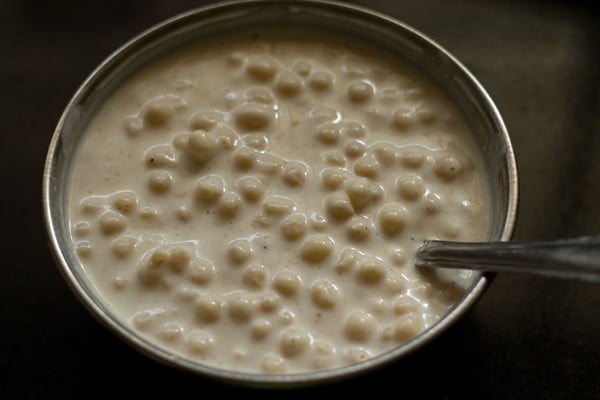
[{"x": 255, "y": 204}]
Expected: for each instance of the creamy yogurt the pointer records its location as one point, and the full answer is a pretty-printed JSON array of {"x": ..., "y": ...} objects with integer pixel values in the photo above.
[{"x": 254, "y": 204}]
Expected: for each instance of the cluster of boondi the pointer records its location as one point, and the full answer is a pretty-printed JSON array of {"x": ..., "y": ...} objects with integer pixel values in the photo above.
[{"x": 364, "y": 184}]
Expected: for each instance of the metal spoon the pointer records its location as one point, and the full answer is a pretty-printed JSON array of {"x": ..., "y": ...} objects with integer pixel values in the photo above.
[{"x": 574, "y": 258}]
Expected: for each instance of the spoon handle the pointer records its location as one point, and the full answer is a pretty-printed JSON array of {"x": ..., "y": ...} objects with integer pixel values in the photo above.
[{"x": 575, "y": 258}]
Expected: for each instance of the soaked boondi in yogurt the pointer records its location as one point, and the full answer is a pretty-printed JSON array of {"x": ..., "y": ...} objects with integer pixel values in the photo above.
[{"x": 255, "y": 204}]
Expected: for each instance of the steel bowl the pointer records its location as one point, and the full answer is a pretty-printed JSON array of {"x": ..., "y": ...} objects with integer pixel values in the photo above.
[{"x": 352, "y": 22}]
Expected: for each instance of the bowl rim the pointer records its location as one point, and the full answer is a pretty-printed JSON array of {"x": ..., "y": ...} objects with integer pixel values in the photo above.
[{"x": 245, "y": 378}]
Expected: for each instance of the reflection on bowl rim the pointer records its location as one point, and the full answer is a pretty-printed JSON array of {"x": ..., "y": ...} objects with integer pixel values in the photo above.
[{"x": 55, "y": 221}]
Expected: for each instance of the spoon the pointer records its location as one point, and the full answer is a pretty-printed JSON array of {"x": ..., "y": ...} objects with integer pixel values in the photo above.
[{"x": 573, "y": 258}]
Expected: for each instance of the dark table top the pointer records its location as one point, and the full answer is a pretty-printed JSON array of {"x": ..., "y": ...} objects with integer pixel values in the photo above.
[{"x": 528, "y": 337}]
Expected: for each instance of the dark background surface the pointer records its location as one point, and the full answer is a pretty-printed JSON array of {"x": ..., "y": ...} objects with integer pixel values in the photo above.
[{"x": 528, "y": 337}]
